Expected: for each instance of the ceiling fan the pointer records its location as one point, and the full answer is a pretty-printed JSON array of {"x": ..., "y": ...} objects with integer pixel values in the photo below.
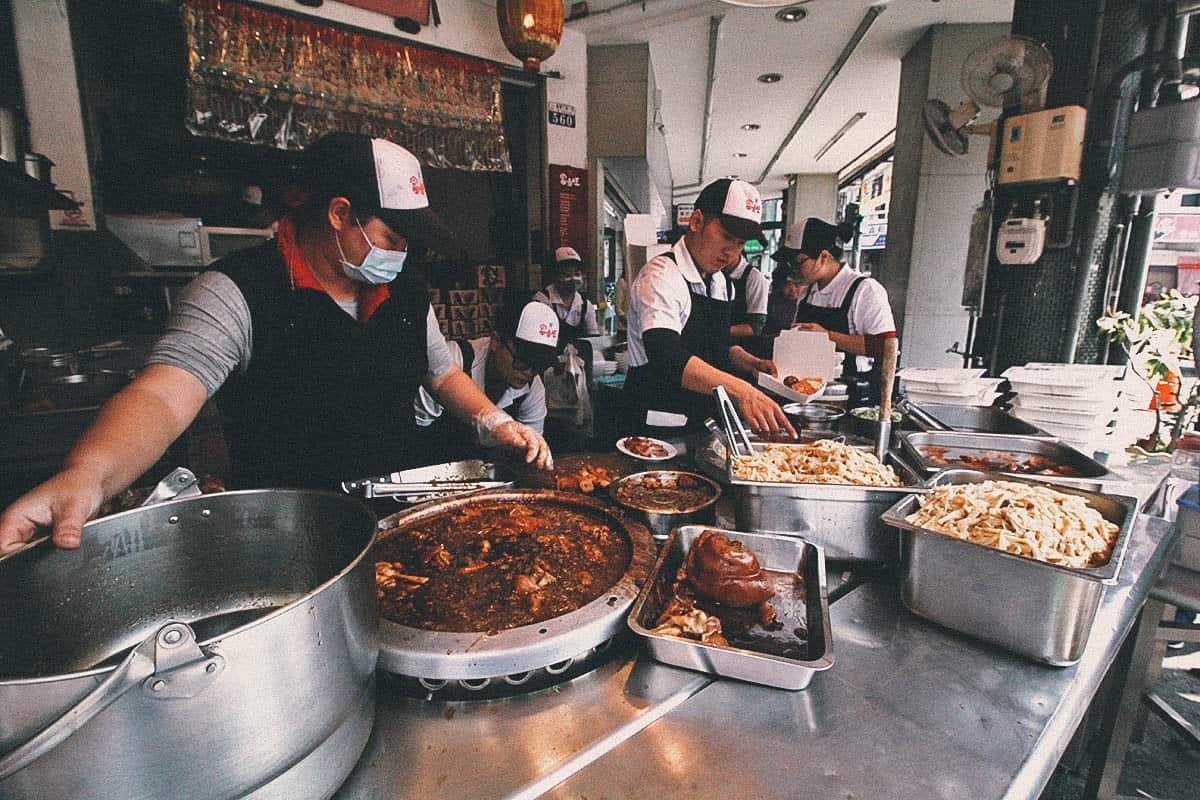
[{"x": 1006, "y": 72}]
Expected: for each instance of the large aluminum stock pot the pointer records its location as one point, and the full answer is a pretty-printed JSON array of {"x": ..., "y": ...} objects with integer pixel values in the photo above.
[{"x": 216, "y": 647}]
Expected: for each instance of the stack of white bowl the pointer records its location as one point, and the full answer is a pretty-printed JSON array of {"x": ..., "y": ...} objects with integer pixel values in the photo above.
[
  {"x": 949, "y": 386},
  {"x": 1075, "y": 402}
]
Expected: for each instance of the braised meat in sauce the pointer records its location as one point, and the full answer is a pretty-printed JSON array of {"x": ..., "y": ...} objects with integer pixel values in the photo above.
[
  {"x": 494, "y": 567},
  {"x": 721, "y": 596},
  {"x": 722, "y": 569},
  {"x": 998, "y": 461},
  {"x": 585, "y": 480},
  {"x": 646, "y": 447},
  {"x": 670, "y": 492}
]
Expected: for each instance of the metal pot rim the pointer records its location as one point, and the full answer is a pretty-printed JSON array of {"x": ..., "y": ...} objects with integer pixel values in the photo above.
[
  {"x": 458, "y": 655},
  {"x": 254, "y": 623},
  {"x": 716, "y": 487}
]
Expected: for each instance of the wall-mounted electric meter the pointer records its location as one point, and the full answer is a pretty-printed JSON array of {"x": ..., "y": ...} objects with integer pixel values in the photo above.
[{"x": 1020, "y": 240}]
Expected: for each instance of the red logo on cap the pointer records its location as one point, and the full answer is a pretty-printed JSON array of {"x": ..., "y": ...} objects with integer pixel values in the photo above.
[
  {"x": 753, "y": 205},
  {"x": 418, "y": 186},
  {"x": 547, "y": 331}
]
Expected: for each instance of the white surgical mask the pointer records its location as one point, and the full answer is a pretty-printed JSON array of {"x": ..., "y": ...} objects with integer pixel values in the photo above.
[{"x": 378, "y": 266}]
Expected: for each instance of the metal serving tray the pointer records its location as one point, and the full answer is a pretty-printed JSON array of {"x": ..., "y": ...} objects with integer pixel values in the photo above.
[
  {"x": 973, "y": 419},
  {"x": 801, "y": 600},
  {"x": 1090, "y": 470},
  {"x": 843, "y": 520},
  {"x": 1039, "y": 610}
]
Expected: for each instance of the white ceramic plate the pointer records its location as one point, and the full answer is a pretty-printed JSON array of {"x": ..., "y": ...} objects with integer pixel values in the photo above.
[{"x": 670, "y": 448}]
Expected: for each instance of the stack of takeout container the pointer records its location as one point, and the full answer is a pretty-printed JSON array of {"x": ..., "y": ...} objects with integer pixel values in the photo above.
[
  {"x": 1075, "y": 402},
  {"x": 949, "y": 386}
]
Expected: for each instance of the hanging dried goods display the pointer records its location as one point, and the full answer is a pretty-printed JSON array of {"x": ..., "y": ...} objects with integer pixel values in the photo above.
[{"x": 266, "y": 77}]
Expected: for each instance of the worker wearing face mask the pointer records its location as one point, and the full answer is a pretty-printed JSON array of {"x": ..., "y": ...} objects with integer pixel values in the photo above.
[
  {"x": 576, "y": 314},
  {"x": 318, "y": 341}
]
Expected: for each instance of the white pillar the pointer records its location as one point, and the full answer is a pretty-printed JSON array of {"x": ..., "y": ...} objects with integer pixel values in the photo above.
[
  {"x": 933, "y": 199},
  {"x": 51, "y": 87},
  {"x": 811, "y": 195}
]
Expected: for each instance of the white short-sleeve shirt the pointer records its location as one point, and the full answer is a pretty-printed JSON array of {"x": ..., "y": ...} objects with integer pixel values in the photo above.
[
  {"x": 580, "y": 314},
  {"x": 758, "y": 287},
  {"x": 532, "y": 411},
  {"x": 870, "y": 312},
  {"x": 661, "y": 297}
]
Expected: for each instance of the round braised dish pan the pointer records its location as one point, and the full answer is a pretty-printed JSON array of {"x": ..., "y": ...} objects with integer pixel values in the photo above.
[
  {"x": 488, "y": 652},
  {"x": 658, "y": 515}
]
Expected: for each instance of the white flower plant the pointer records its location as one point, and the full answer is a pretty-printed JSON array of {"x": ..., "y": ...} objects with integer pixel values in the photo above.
[{"x": 1157, "y": 341}]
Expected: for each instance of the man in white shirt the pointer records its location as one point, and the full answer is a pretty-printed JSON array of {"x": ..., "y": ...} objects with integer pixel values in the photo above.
[
  {"x": 576, "y": 314},
  {"x": 507, "y": 366},
  {"x": 679, "y": 322}
]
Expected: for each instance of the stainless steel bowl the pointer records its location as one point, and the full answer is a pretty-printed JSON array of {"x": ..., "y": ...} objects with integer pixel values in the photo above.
[
  {"x": 659, "y": 521},
  {"x": 814, "y": 416}
]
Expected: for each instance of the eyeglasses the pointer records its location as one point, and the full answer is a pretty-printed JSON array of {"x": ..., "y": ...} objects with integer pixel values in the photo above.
[{"x": 519, "y": 364}]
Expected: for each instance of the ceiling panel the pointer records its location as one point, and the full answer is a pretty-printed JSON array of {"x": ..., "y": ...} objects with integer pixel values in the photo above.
[{"x": 753, "y": 42}]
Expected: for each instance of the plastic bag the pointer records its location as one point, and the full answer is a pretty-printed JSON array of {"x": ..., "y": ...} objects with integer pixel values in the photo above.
[{"x": 567, "y": 390}]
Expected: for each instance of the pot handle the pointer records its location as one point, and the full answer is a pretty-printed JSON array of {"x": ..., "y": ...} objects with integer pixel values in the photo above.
[
  {"x": 167, "y": 664},
  {"x": 180, "y": 482}
]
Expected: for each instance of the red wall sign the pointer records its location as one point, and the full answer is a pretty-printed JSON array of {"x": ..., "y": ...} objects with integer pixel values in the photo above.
[{"x": 569, "y": 209}]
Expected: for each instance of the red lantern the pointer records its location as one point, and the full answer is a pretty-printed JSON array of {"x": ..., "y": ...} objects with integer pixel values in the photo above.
[{"x": 531, "y": 29}]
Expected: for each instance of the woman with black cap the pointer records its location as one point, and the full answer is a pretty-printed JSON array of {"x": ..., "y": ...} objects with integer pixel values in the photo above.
[
  {"x": 850, "y": 308},
  {"x": 680, "y": 308},
  {"x": 316, "y": 340}
]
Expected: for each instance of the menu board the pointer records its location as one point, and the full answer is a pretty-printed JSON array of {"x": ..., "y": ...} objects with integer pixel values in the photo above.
[{"x": 569, "y": 209}]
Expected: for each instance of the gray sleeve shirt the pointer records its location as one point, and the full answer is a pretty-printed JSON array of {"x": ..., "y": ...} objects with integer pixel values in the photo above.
[{"x": 209, "y": 334}]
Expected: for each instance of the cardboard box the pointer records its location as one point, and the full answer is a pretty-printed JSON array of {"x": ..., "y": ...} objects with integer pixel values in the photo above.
[
  {"x": 464, "y": 297},
  {"x": 490, "y": 275}
]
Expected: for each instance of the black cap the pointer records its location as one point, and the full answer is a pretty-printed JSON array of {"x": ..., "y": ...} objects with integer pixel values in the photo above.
[
  {"x": 810, "y": 236},
  {"x": 738, "y": 206},
  {"x": 379, "y": 178}
]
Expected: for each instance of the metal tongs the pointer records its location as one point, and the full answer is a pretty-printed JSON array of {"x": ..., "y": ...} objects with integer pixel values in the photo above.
[
  {"x": 400, "y": 490},
  {"x": 735, "y": 431}
]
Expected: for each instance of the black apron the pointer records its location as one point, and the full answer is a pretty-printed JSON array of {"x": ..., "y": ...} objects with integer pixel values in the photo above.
[
  {"x": 759, "y": 345},
  {"x": 566, "y": 331},
  {"x": 864, "y": 386},
  {"x": 449, "y": 438},
  {"x": 706, "y": 336}
]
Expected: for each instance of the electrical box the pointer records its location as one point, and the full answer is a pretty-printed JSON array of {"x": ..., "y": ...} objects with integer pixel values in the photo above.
[
  {"x": 1163, "y": 150},
  {"x": 1020, "y": 240},
  {"x": 1043, "y": 146}
]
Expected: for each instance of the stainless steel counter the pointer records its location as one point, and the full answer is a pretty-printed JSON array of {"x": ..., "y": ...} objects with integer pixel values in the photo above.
[{"x": 909, "y": 710}]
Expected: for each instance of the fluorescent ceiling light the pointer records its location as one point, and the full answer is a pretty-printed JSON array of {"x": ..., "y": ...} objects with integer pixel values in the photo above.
[{"x": 850, "y": 123}]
